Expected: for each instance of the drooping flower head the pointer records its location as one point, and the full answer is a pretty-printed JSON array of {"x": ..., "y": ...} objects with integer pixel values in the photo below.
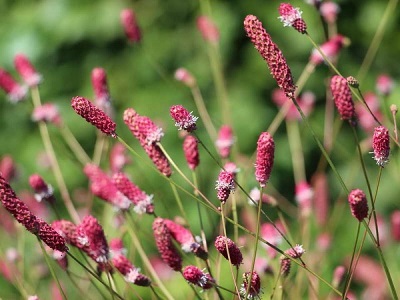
[
  {"x": 130, "y": 25},
  {"x": 224, "y": 246},
  {"x": 208, "y": 29},
  {"x": 342, "y": 96},
  {"x": 185, "y": 77},
  {"x": 252, "y": 280},
  {"x": 225, "y": 185},
  {"x": 43, "y": 191},
  {"x": 183, "y": 118},
  {"x": 358, "y": 204},
  {"x": 270, "y": 53},
  {"x": 191, "y": 151},
  {"x": 196, "y": 276},
  {"x": 265, "y": 158},
  {"x": 48, "y": 113},
  {"x": 94, "y": 115},
  {"x": 26, "y": 70},
  {"x": 291, "y": 16},
  {"x": 225, "y": 141},
  {"x": 381, "y": 145},
  {"x": 15, "y": 92}
]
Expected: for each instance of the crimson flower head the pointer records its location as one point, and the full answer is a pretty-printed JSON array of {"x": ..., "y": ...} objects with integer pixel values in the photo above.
[
  {"x": 252, "y": 280},
  {"x": 381, "y": 145},
  {"x": 224, "y": 246},
  {"x": 208, "y": 29},
  {"x": 225, "y": 185},
  {"x": 94, "y": 115},
  {"x": 225, "y": 140},
  {"x": 43, "y": 191},
  {"x": 358, "y": 204},
  {"x": 15, "y": 92},
  {"x": 196, "y": 276},
  {"x": 265, "y": 158},
  {"x": 342, "y": 96},
  {"x": 26, "y": 70},
  {"x": 270, "y": 53},
  {"x": 291, "y": 16},
  {"x": 131, "y": 27},
  {"x": 183, "y": 118},
  {"x": 191, "y": 150}
]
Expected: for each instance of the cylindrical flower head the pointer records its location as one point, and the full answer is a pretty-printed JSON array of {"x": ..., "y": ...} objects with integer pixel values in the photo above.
[
  {"x": 7, "y": 167},
  {"x": 67, "y": 230},
  {"x": 191, "y": 150},
  {"x": 295, "y": 252},
  {"x": 329, "y": 11},
  {"x": 384, "y": 84},
  {"x": 381, "y": 145},
  {"x": 358, "y": 204},
  {"x": 225, "y": 141},
  {"x": 159, "y": 159},
  {"x": 183, "y": 118},
  {"x": 342, "y": 96},
  {"x": 14, "y": 91},
  {"x": 223, "y": 244},
  {"x": 291, "y": 16},
  {"x": 48, "y": 113},
  {"x": 94, "y": 115},
  {"x": 165, "y": 245},
  {"x": 255, "y": 285},
  {"x": 225, "y": 185},
  {"x": 26, "y": 70},
  {"x": 43, "y": 191},
  {"x": 129, "y": 271},
  {"x": 330, "y": 48},
  {"x": 208, "y": 29},
  {"x": 264, "y": 158},
  {"x": 50, "y": 236},
  {"x": 143, "y": 203},
  {"x": 185, "y": 77},
  {"x": 196, "y": 276},
  {"x": 286, "y": 264},
  {"x": 131, "y": 27},
  {"x": 100, "y": 88},
  {"x": 395, "y": 225},
  {"x": 270, "y": 53}
]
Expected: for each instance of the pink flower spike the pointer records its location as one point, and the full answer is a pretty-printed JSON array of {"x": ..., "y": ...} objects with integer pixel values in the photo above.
[
  {"x": 185, "y": 77},
  {"x": 7, "y": 167},
  {"x": 384, "y": 84},
  {"x": 100, "y": 87},
  {"x": 94, "y": 115},
  {"x": 255, "y": 285},
  {"x": 43, "y": 191},
  {"x": 129, "y": 271},
  {"x": 14, "y": 91},
  {"x": 191, "y": 150},
  {"x": 183, "y": 118},
  {"x": 342, "y": 96},
  {"x": 26, "y": 70},
  {"x": 338, "y": 275},
  {"x": 329, "y": 11},
  {"x": 118, "y": 158},
  {"x": 208, "y": 29},
  {"x": 304, "y": 196},
  {"x": 225, "y": 141},
  {"x": 330, "y": 48},
  {"x": 130, "y": 25},
  {"x": 264, "y": 158},
  {"x": 286, "y": 265},
  {"x": 48, "y": 113},
  {"x": 295, "y": 252},
  {"x": 381, "y": 145},
  {"x": 395, "y": 225},
  {"x": 358, "y": 204},
  {"x": 50, "y": 236},
  {"x": 224, "y": 246},
  {"x": 225, "y": 185},
  {"x": 291, "y": 16},
  {"x": 196, "y": 276}
]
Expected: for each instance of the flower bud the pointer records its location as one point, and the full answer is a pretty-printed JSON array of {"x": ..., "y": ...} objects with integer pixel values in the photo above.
[{"x": 208, "y": 29}]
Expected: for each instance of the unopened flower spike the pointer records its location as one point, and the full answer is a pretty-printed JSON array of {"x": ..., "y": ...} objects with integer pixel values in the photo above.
[
  {"x": 130, "y": 25},
  {"x": 358, "y": 204},
  {"x": 251, "y": 283},
  {"x": 265, "y": 158},
  {"x": 26, "y": 70},
  {"x": 224, "y": 246},
  {"x": 296, "y": 252},
  {"x": 94, "y": 115},
  {"x": 208, "y": 29},
  {"x": 183, "y": 118},
  {"x": 291, "y": 16},
  {"x": 381, "y": 145},
  {"x": 191, "y": 151}
]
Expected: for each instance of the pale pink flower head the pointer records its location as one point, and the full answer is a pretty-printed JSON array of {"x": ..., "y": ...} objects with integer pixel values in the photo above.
[
  {"x": 225, "y": 185},
  {"x": 118, "y": 158},
  {"x": 208, "y": 29},
  {"x": 329, "y": 11},
  {"x": 296, "y": 252},
  {"x": 306, "y": 102},
  {"x": 94, "y": 115},
  {"x": 291, "y": 16},
  {"x": 191, "y": 151},
  {"x": 15, "y": 92},
  {"x": 130, "y": 25},
  {"x": 185, "y": 77},
  {"x": 183, "y": 118},
  {"x": 270, "y": 52},
  {"x": 342, "y": 96},
  {"x": 358, "y": 204},
  {"x": 255, "y": 196},
  {"x": 252, "y": 280},
  {"x": 100, "y": 87},
  {"x": 26, "y": 70},
  {"x": 33, "y": 297},
  {"x": 264, "y": 158},
  {"x": 196, "y": 276},
  {"x": 225, "y": 141},
  {"x": 324, "y": 241},
  {"x": 43, "y": 191},
  {"x": 384, "y": 84},
  {"x": 365, "y": 119},
  {"x": 229, "y": 250},
  {"x": 304, "y": 195},
  {"x": 232, "y": 168},
  {"x": 331, "y": 49},
  {"x": 7, "y": 167},
  {"x": 381, "y": 145},
  {"x": 338, "y": 275},
  {"x": 48, "y": 113},
  {"x": 269, "y": 233},
  {"x": 395, "y": 225}
]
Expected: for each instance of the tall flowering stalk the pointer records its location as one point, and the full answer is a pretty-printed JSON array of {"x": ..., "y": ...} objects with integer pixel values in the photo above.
[{"x": 270, "y": 53}]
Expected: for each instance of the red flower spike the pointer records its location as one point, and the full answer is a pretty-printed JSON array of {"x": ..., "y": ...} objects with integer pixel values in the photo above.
[
  {"x": 116, "y": 246},
  {"x": 14, "y": 91},
  {"x": 43, "y": 191},
  {"x": 159, "y": 159},
  {"x": 183, "y": 118},
  {"x": 196, "y": 276},
  {"x": 225, "y": 185},
  {"x": 291, "y": 16},
  {"x": 7, "y": 167},
  {"x": 255, "y": 285},
  {"x": 208, "y": 29},
  {"x": 381, "y": 145},
  {"x": 270, "y": 53},
  {"x": 222, "y": 243},
  {"x": 225, "y": 141},
  {"x": 191, "y": 150},
  {"x": 165, "y": 245},
  {"x": 286, "y": 264},
  {"x": 264, "y": 158},
  {"x": 94, "y": 115},
  {"x": 131, "y": 27},
  {"x": 26, "y": 70},
  {"x": 50, "y": 236},
  {"x": 342, "y": 96},
  {"x": 358, "y": 204}
]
